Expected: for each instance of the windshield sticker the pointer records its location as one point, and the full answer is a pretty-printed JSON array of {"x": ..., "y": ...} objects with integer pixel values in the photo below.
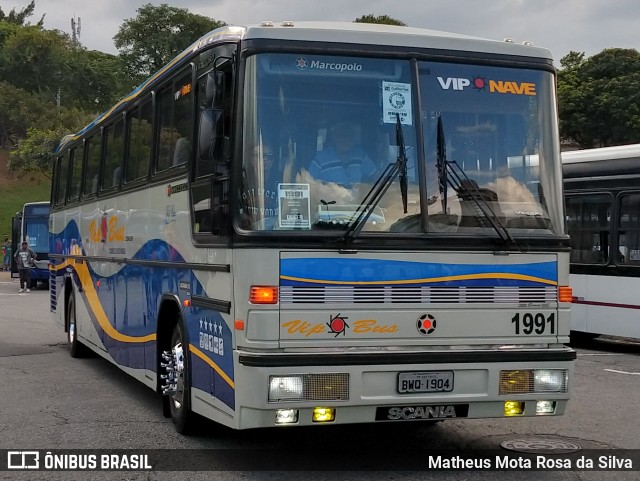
[
  {"x": 494, "y": 86},
  {"x": 396, "y": 99},
  {"x": 294, "y": 206}
]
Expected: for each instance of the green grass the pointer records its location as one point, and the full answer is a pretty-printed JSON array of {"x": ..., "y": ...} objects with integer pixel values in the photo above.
[{"x": 14, "y": 194}]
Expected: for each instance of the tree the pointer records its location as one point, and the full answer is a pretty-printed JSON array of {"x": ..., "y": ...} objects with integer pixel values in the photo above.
[
  {"x": 36, "y": 152},
  {"x": 158, "y": 34},
  {"x": 381, "y": 19},
  {"x": 599, "y": 98},
  {"x": 18, "y": 18},
  {"x": 36, "y": 60}
]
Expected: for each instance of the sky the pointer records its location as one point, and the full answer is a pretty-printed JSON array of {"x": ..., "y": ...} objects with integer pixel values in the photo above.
[{"x": 587, "y": 26}]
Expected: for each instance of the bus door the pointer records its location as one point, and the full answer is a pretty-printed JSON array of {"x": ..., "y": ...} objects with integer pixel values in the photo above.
[{"x": 16, "y": 226}]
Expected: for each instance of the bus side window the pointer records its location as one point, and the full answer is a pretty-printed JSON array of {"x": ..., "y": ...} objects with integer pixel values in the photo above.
[
  {"x": 92, "y": 148},
  {"x": 175, "y": 122},
  {"x": 140, "y": 142},
  {"x": 588, "y": 224},
  {"x": 62, "y": 175},
  {"x": 629, "y": 230},
  {"x": 75, "y": 185},
  {"x": 114, "y": 147}
]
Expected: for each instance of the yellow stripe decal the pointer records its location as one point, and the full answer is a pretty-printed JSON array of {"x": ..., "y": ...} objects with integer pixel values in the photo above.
[
  {"x": 94, "y": 302},
  {"x": 92, "y": 296},
  {"x": 464, "y": 277},
  {"x": 215, "y": 367}
]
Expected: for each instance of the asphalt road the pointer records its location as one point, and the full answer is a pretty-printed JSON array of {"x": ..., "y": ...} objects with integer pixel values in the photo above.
[{"x": 50, "y": 401}]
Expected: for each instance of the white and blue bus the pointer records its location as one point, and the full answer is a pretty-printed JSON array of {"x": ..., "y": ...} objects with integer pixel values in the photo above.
[
  {"x": 215, "y": 238},
  {"x": 32, "y": 225},
  {"x": 602, "y": 190}
]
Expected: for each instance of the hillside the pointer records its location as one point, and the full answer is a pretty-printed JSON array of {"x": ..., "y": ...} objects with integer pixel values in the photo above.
[{"x": 14, "y": 192}]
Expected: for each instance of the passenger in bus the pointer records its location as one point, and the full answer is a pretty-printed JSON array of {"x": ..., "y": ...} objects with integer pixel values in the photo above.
[
  {"x": 343, "y": 161},
  {"x": 182, "y": 151}
]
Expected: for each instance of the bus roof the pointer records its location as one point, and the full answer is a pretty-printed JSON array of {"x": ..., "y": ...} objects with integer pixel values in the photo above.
[
  {"x": 621, "y": 160},
  {"x": 391, "y": 35},
  {"x": 340, "y": 32},
  {"x": 602, "y": 153}
]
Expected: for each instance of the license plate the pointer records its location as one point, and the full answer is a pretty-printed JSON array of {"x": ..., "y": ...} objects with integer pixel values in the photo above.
[{"x": 429, "y": 381}]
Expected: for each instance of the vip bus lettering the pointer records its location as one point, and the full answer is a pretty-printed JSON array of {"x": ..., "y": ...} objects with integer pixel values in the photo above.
[
  {"x": 115, "y": 232},
  {"x": 524, "y": 88},
  {"x": 371, "y": 325},
  {"x": 359, "y": 327},
  {"x": 303, "y": 327}
]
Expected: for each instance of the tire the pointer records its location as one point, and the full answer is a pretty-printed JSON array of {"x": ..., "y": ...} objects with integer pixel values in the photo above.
[
  {"x": 180, "y": 400},
  {"x": 33, "y": 284},
  {"x": 579, "y": 337},
  {"x": 76, "y": 348}
]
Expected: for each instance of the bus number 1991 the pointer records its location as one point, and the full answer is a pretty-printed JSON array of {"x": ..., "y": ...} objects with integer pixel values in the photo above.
[{"x": 537, "y": 323}]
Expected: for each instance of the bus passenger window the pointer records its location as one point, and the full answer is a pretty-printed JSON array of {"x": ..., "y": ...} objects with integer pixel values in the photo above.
[{"x": 629, "y": 230}]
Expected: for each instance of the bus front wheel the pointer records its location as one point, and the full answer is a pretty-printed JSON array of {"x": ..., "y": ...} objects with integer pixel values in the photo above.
[{"x": 179, "y": 388}]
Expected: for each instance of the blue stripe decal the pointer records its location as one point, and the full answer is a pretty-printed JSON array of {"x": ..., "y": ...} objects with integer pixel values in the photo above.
[{"x": 342, "y": 271}]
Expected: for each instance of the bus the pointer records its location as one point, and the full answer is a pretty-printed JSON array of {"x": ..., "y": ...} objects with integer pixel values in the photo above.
[
  {"x": 32, "y": 225},
  {"x": 306, "y": 223},
  {"x": 602, "y": 196}
]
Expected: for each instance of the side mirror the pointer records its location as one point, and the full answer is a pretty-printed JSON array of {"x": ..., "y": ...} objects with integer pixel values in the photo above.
[
  {"x": 214, "y": 88},
  {"x": 210, "y": 135}
]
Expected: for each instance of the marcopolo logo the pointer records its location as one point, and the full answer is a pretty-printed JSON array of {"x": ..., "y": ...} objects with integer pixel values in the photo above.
[
  {"x": 303, "y": 64},
  {"x": 174, "y": 189}
]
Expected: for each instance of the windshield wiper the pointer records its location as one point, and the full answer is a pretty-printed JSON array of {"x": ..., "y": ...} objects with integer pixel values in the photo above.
[
  {"x": 380, "y": 187},
  {"x": 451, "y": 174}
]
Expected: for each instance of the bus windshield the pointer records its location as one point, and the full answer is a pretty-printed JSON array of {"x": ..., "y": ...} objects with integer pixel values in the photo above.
[
  {"x": 36, "y": 233},
  {"x": 320, "y": 130}
]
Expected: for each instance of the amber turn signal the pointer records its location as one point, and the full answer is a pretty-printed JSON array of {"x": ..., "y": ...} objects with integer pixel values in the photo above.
[
  {"x": 565, "y": 293},
  {"x": 263, "y": 295}
]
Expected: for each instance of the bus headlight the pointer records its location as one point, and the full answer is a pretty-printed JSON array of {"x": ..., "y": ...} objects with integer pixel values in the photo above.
[
  {"x": 285, "y": 388},
  {"x": 550, "y": 380},
  {"x": 528, "y": 381}
]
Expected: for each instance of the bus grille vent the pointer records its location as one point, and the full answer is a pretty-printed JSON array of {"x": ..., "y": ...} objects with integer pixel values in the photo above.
[{"x": 416, "y": 295}]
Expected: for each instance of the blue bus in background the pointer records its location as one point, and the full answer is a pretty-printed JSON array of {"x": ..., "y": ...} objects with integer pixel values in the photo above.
[{"x": 32, "y": 225}]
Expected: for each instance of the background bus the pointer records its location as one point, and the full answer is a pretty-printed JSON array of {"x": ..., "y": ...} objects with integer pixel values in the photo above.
[
  {"x": 213, "y": 237},
  {"x": 32, "y": 225},
  {"x": 602, "y": 194}
]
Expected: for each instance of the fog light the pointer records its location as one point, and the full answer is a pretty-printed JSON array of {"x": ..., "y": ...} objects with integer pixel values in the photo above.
[
  {"x": 516, "y": 382},
  {"x": 550, "y": 380},
  {"x": 286, "y": 416},
  {"x": 513, "y": 408},
  {"x": 285, "y": 388},
  {"x": 545, "y": 407},
  {"x": 323, "y": 415}
]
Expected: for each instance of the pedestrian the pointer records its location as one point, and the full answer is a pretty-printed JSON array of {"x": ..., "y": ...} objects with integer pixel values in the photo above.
[
  {"x": 6, "y": 254},
  {"x": 25, "y": 259}
]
